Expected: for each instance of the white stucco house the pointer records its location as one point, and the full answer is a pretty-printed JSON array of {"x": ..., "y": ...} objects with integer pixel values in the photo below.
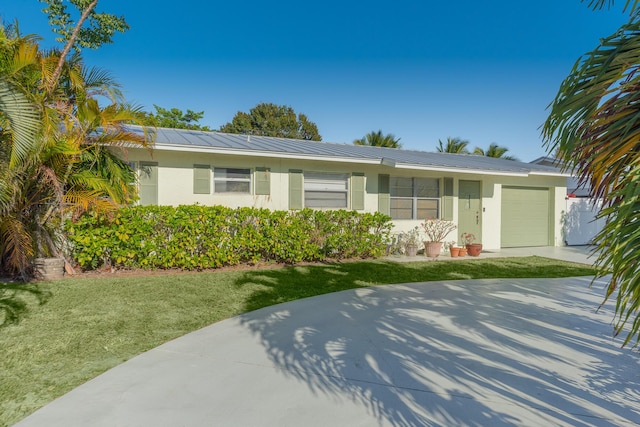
[{"x": 504, "y": 203}]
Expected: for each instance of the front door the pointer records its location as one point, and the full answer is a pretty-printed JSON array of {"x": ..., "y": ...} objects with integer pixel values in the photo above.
[{"x": 470, "y": 209}]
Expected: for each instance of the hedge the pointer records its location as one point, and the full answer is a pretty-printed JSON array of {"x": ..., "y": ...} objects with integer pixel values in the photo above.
[{"x": 200, "y": 237}]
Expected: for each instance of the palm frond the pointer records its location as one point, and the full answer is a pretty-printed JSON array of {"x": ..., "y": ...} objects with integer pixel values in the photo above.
[
  {"x": 24, "y": 121},
  {"x": 630, "y": 5},
  {"x": 26, "y": 55},
  {"x": 16, "y": 249},
  {"x": 101, "y": 82},
  {"x": 453, "y": 145},
  {"x": 594, "y": 125}
]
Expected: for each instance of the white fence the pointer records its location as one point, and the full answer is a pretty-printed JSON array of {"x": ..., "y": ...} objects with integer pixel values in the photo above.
[{"x": 580, "y": 224}]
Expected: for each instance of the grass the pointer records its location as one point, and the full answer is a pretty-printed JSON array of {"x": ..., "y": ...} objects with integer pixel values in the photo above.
[{"x": 67, "y": 332}]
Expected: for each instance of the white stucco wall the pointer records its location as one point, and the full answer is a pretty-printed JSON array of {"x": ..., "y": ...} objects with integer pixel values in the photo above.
[
  {"x": 175, "y": 186},
  {"x": 175, "y": 178}
]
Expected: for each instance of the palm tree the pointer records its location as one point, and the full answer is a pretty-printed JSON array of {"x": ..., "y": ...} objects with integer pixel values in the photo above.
[
  {"x": 593, "y": 125},
  {"x": 495, "y": 151},
  {"x": 377, "y": 139},
  {"x": 453, "y": 145},
  {"x": 54, "y": 156}
]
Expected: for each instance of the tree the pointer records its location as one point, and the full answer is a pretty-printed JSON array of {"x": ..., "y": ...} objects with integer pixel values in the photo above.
[
  {"x": 174, "y": 119},
  {"x": 377, "y": 139},
  {"x": 453, "y": 145},
  {"x": 100, "y": 30},
  {"x": 495, "y": 151},
  {"x": 268, "y": 119},
  {"x": 57, "y": 148},
  {"x": 594, "y": 126}
]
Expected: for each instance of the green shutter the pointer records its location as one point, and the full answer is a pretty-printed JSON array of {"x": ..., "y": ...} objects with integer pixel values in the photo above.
[
  {"x": 384, "y": 201},
  {"x": 296, "y": 189},
  {"x": 357, "y": 191},
  {"x": 262, "y": 178},
  {"x": 201, "y": 179},
  {"x": 148, "y": 178},
  {"x": 447, "y": 200}
]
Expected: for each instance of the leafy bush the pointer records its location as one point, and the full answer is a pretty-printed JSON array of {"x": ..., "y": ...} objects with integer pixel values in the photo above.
[{"x": 198, "y": 237}]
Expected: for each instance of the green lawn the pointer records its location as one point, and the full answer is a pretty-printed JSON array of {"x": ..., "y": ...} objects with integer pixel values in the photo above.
[{"x": 74, "y": 329}]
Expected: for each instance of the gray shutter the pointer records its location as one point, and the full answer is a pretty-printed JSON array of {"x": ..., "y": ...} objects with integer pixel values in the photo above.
[
  {"x": 148, "y": 176},
  {"x": 447, "y": 200},
  {"x": 384, "y": 200},
  {"x": 262, "y": 178},
  {"x": 357, "y": 191},
  {"x": 296, "y": 188},
  {"x": 201, "y": 179}
]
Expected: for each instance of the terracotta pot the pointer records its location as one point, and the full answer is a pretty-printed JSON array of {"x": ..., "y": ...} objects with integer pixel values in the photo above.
[
  {"x": 463, "y": 252},
  {"x": 474, "y": 249},
  {"x": 454, "y": 251},
  {"x": 411, "y": 250},
  {"x": 432, "y": 249}
]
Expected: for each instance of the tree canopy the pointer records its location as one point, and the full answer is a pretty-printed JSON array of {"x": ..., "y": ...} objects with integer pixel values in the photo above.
[
  {"x": 174, "y": 118},
  {"x": 495, "y": 151},
  {"x": 57, "y": 143},
  {"x": 594, "y": 127},
  {"x": 453, "y": 145},
  {"x": 268, "y": 119},
  {"x": 99, "y": 29},
  {"x": 378, "y": 139}
]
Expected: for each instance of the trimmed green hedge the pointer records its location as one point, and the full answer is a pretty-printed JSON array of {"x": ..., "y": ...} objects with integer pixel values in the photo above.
[{"x": 200, "y": 237}]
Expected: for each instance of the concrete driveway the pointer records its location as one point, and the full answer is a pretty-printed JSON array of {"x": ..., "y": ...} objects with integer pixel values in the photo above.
[{"x": 461, "y": 353}]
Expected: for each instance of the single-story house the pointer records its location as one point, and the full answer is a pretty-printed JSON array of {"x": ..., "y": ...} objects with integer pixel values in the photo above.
[{"x": 504, "y": 203}]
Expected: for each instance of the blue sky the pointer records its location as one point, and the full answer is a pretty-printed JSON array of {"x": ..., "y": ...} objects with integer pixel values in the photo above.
[{"x": 422, "y": 70}]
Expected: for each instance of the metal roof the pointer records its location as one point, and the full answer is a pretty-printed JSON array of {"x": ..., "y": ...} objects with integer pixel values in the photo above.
[{"x": 264, "y": 146}]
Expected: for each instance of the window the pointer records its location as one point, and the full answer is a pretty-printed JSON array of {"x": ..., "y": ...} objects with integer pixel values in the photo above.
[
  {"x": 231, "y": 180},
  {"x": 414, "y": 198},
  {"x": 325, "y": 190}
]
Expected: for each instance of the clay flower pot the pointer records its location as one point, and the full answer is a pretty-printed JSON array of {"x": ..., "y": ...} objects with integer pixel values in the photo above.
[
  {"x": 463, "y": 252},
  {"x": 48, "y": 268},
  {"x": 432, "y": 249},
  {"x": 411, "y": 250},
  {"x": 474, "y": 249},
  {"x": 454, "y": 251}
]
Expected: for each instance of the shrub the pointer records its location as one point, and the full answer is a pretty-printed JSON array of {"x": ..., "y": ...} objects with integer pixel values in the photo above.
[{"x": 197, "y": 237}]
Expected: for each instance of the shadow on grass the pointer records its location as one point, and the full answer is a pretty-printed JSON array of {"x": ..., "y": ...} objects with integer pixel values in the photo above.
[
  {"x": 288, "y": 284},
  {"x": 453, "y": 353},
  {"x": 16, "y": 298}
]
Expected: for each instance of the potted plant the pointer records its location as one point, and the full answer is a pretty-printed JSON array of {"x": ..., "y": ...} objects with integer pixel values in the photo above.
[
  {"x": 396, "y": 244},
  {"x": 436, "y": 230},
  {"x": 454, "y": 249},
  {"x": 468, "y": 239},
  {"x": 411, "y": 240}
]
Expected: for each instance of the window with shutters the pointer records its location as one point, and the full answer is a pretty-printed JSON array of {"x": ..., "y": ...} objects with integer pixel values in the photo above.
[
  {"x": 326, "y": 190},
  {"x": 232, "y": 180},
  {"x": 414, "y": 198}
]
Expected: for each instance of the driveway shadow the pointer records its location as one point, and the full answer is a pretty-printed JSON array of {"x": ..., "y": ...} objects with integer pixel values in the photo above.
[{"x": 478, "y": 352}]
